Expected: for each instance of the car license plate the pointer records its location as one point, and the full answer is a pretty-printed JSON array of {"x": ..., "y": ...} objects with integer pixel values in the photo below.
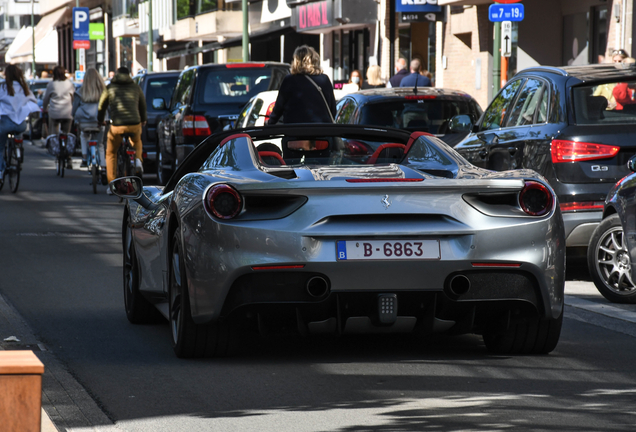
[{"x": 388, "y": 250}]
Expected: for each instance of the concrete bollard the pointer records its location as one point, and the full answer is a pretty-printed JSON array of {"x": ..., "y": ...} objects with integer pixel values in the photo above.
[{"x": 20, "y": 391}]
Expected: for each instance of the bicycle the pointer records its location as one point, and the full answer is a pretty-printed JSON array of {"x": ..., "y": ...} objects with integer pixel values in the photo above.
[
  {"x": 98, "y": 174},
  {"x": 62, "y": 156},
  {"x": 13, "y": 156},
  {"x": 126, "y": 157}
]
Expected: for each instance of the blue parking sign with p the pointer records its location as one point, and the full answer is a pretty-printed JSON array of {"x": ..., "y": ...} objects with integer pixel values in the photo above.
[{"x": 81, "y": 23}]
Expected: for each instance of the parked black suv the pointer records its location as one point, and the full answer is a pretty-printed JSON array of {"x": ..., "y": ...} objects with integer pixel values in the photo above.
[
  {"x": 207, "y": 98},
  {"x": 574, "y": 125},
  {"x": 427, "y": 110},
  {"x": 154, "y": 85}
]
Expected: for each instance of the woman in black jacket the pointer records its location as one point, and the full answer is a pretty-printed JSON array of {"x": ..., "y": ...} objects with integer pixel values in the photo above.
[{"x": 305, "y": 96}]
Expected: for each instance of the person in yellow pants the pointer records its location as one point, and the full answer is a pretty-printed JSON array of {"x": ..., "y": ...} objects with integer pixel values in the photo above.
[{"x": 126, "y": 107}]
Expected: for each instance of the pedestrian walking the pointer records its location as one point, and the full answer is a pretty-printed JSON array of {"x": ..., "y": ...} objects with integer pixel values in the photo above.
[
  {"x": 415, "y": 77},
  {"x": 16, "y": 103},
  {"x": 126, "y": 106},
  {"x": 85, "y": 107},
  {"x": 58, "y": 103},
  {"x": 374, "y": 78},
  {"x": 305, "y": 96},
  {"x": 400, "y": 73}
]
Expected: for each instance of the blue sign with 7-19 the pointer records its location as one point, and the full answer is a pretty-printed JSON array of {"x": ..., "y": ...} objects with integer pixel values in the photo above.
[{"x": 506, "y": 12}]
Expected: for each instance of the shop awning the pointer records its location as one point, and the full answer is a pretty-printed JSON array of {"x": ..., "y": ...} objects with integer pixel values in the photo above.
[{"x": 45, "y": 41}]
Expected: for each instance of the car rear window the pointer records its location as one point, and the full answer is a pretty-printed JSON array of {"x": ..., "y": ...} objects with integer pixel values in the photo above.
[
  {"x": 426, "y": 115},
  {"x": 232, "y": 85},
  {"x": 160, "y": 88},
  {"x": 609, "y": 103}
]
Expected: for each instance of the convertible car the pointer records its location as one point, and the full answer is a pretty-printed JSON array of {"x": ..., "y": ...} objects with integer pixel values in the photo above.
[{"x": 346, "y": 230}]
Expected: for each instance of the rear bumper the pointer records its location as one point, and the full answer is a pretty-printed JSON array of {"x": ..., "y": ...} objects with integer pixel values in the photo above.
[{"x": 580, "y": 226}]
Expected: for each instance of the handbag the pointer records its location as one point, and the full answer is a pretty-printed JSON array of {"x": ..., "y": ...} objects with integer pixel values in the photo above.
[{"x": 323, "y": 97}]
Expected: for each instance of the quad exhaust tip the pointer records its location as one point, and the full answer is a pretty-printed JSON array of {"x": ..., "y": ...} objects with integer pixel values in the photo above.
[
  {"x": 459, "y": 285},
  {"x": 317, "y": 286}
]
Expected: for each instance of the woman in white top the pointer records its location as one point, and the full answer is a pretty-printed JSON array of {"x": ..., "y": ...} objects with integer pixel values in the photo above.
[{"x": 16, "y": 103}]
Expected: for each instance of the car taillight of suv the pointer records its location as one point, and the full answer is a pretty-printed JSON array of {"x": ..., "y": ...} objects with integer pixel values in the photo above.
[
  {"x": 195, "y": 125},
  {"x": 572, "y": 151}
]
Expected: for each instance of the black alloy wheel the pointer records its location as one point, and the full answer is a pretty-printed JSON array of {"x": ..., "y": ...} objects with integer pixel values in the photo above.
[
  {"x": 609, "y": 262},
  {"x": 190, "y": 340},
  {"x": 138, "y": 309}
]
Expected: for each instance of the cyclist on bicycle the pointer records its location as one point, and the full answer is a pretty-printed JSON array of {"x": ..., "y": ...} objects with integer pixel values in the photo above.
[
  {"x": 127, "y": 115},
  {"x": 85, "y": 109},
  {"x": 58, "y": 102},
  {"x": 16, "y": 103}
]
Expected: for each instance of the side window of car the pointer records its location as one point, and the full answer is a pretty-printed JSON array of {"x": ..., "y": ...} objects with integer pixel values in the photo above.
[
  {"x": 254, "y": 113},
  {"x": 345, "y": 108},
  {"x": 240, "y": 122},
  {"x": 182, "y": 90},
  {"x": 496, "y": 112},
  {"x": 530, "y": 106}
]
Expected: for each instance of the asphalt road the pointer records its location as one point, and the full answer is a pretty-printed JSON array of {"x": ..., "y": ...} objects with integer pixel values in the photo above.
[{"x": 60, "y": 272}]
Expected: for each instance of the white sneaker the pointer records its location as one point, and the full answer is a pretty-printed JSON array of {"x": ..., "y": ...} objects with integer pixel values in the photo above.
[
  {"x": 139, "y": 167},
  {"x": 108, "y": 191}
]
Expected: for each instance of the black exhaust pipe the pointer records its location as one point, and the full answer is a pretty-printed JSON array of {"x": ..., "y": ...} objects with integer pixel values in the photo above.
[
  {"x": 317, "y": 287},
  {"x": 459, "y": 285}
]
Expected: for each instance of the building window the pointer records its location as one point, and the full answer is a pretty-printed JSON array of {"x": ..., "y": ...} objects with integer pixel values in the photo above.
[
  {"x": 204, "y": 6},
  {"x": 127, "y": 8}
]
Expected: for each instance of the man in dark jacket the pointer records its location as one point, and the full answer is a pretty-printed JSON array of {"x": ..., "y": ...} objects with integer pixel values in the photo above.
[
  {"x": 415, "y": 76},
  {"x": 127, "y": 115},
  {"x": 401, "y": 72}
]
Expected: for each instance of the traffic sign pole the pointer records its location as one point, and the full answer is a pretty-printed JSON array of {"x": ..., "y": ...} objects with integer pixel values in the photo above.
[{"x": 496, "y": 60}]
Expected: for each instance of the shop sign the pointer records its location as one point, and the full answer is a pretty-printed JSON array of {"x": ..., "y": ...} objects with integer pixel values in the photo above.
[
  {"x": 411, "y": 17},
  {"x": 96, "y": 31},
  {"x": 417, "y": 6},
  {"x": 314, "y": 15}
]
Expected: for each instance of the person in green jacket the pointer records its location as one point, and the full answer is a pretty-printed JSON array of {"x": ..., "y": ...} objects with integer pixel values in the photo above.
[{"x": 126, "y": 106}]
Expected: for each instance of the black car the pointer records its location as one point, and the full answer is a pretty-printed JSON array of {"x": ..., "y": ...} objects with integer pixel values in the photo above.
[
  {"x": 154, "y": 85},
  {"x": 425, "y": 110},
  {"x": 207, "y": 98},
  {"x": 574, "y": 125},
  {"x": 612, "y": 248}
]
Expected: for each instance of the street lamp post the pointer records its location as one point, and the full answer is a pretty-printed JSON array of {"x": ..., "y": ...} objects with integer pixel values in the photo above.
[
  {"x": 33, "y": 39},
  {"x": 246, "y": 36},
  {"x": 150, "y": 36}
]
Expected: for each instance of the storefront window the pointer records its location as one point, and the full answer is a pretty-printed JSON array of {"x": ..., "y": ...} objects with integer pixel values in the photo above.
[
  {"x": 337, "y": 66},
  {"x": 126, "y": 52},
  {"x": 345, "y": 55},
  {"x": 575, "y": 39},
  {"x": 405, "y": 43}
]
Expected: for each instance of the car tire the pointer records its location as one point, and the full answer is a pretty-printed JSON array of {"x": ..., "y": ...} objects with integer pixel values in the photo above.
[
  {"x": 138, "y": 309},
  {"x": 191, "y": 340},
  {"x": 609, "y": 262},
  {"x": 534, "y": 336}
]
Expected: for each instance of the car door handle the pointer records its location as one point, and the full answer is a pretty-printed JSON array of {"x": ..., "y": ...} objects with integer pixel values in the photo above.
[{"x": 483, "y": 154}]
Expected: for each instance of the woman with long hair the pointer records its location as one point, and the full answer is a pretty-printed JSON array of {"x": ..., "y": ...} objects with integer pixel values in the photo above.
[
  {"x": 16, "y": 103},
  {"x": 305, "y": 96},
  {"x": 58, "y": 101},
  {"x": 85, "y": 105}
]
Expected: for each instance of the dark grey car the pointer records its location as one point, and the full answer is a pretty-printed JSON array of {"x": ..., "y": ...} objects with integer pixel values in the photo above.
[{"x": 154, "y": 85}]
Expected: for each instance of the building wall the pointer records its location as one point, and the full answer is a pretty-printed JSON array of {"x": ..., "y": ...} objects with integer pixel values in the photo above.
[{"x": 466, "y": 50}]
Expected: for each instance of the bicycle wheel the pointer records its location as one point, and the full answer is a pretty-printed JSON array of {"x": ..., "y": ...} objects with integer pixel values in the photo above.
[
  {"x": 13, "y": 170},
  {"x": 62, "y": 163},
  {"x": 57, "y": 165},
  {"x": 95, "y": 175},
  {"x": 120, "y": 165}
]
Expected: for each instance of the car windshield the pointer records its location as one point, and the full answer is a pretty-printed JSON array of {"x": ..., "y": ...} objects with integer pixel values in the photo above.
[
  {"x": 421, "y": 113},
  {"x": 160, "y": 88},
  {"x": 234, "y": 85},
  {"x": 609, "y": 103}
]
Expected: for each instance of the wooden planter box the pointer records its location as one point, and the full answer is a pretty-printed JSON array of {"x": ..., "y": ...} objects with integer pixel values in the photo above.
[{"x": 20, "y": 391}]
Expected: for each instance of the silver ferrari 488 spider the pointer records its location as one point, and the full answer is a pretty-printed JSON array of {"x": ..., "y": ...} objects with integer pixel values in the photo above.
[{"x": 343, "y": 230}]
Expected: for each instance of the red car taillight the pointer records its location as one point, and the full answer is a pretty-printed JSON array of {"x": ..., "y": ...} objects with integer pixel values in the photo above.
[
  {"x": 535, "y": 199},
  {"x": 582, "y": 206},
  {"x": 270, "y": 108},
  {"x": 223, "y": 201},
  {"x": 571, "y": 151},
  {"x": 195, "y": 126}
]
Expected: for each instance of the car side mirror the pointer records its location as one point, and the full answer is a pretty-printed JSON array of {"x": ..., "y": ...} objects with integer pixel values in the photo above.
[
  {"x": 631, "y": 164},
  {"x": 127, "y": 187},
  {"x": 460, "y": 124},
  {"x": 159, "y": 104}
]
